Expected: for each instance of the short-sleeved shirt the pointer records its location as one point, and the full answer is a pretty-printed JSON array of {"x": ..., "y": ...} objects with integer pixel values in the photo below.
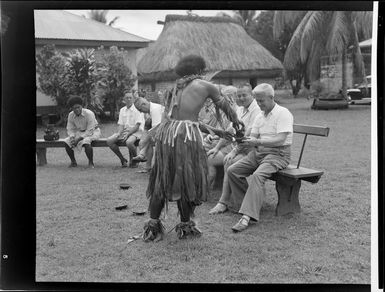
[
  {"x": 129, "y": 117},
  {"x": 248, "y": 115},
  {"x": 278, "y": 120},
  {"x": 156, "y": 112},
  {"x": 85, "y": 122}
]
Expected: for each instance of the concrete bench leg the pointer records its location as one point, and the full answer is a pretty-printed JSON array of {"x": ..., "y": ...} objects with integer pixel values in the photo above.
[
  {"x": 41, "y": 156},
  {"x": 288, "y": 201}
]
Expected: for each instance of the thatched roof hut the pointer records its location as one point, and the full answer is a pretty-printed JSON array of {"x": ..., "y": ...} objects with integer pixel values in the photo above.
[{"x": 221, "y": 41}]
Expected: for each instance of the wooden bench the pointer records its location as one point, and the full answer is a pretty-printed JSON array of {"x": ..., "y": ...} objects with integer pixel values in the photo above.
[
  {"x": 42, "y": 145},
  {"x": 288, "y": 180}
]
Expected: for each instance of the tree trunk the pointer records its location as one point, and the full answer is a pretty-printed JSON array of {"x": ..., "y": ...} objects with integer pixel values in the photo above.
[
  {"x": 297, "y": 87},
  {"x": 358, "y": 56},
  {"x": 344, "y": 81}
]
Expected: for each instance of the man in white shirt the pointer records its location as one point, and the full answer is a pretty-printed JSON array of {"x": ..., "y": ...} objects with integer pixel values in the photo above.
[
  {"x": 271, "y": 137},
  {"x": 82, "y": 129},
  {"x": 247, "y": 111},
  {"x": 130, "y": 128},
  {"x": 147, "y": 142}
]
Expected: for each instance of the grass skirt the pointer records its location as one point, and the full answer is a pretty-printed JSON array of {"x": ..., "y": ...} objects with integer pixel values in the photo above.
[{"x": 180, "y": 168}]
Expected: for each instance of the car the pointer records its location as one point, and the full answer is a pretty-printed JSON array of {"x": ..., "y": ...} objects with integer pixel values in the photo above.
[{"x": 361, "y": 95}]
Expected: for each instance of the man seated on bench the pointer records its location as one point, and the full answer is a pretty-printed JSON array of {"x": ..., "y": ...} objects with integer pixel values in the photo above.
[
  {"x": 130, "y": 128},
  {"x": 271, "y": 137},
  {"x": 215, "y": 147},
  {"x": 247, "y": 112},
  {"x": 82, "y": 129},
  {"x": 147, "y": 142}
]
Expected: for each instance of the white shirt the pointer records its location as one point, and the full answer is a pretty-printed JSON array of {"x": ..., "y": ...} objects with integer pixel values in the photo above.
[
  {"x": 278, "y": 120},
  {"x": 85, "y": 122},
  {"x": 156, "y": 112},
  {"x": 248, "y": 115},
  {"x": 129, "y": 117}
]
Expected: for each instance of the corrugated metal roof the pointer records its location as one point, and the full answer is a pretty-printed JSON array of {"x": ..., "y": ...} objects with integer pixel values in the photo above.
[{"x": 59, "y": 24}]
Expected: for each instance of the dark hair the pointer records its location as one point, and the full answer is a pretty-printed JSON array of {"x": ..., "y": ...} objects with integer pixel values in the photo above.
[
  {"x": 74, "y": 100},
  {"x": 245, "y": 84},
  {"x": 189, "y": 65}
]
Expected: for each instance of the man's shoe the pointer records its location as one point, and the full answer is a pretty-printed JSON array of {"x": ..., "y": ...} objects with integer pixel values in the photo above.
[
  {"x": 124, "y": 163},
  {"x": 91, "y": 165},
  {"x": 218, "y": 209},
  {"x": 240, "y": 226},
  {"x": 139, "y": 158},
  {"x": 73, "y": 164}
]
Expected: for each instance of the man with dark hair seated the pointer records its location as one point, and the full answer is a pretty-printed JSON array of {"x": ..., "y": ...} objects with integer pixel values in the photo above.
[
  {"x": 82, "y": 129},
  {"x": 180, "y": 168}
]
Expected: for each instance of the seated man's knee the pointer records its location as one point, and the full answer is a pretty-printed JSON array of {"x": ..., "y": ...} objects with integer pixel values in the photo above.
[
  {"x": 87, "y": 146},
  {"x": 142, "y": 143},
  {"x": 131, "y": 142},
  {"x": 111, "y": 141},
  {"x": 230, "y": 169}
]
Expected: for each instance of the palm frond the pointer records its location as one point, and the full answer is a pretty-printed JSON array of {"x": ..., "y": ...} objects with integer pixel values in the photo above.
[
  {"x": 364, "y": 23},
  {"x": 283, "y": 19},
  {"x": 98, "y": 15},
  {"x": 341, "y": 27},
  {"x": 313, "y": 64},
  {"x": 312, "y": 30},
  {"x": 292, "y": 55}
]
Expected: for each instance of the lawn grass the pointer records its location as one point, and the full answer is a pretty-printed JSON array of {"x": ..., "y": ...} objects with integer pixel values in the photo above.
[{"x": 81, "y": 237}]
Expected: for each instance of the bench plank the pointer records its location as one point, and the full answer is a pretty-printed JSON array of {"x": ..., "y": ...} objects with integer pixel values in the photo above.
[
  {"x": 41, "y": 143},
  {"x": 301, "y": 172},
  {"x": 311, "y": 130}
]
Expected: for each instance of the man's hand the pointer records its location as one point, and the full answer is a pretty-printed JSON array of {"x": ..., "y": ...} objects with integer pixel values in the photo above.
[
  {"x": 229, "y": 157},
  {"x": 210, "y": 138},
  {"x": 75, "y": 141},
  {"x": 238, "y": 125},
  {"x": 224, "y": 134},
  {"x": 213, "y": 152},
  {"x": 72, "y": 141},
  {"x": 250, "y": 141}
]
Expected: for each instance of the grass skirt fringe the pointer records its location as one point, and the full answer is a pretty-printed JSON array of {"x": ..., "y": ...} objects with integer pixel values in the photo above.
[{"x": 180, "y": 168}]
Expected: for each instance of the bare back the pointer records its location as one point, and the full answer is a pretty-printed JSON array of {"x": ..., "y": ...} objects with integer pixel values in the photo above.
[{"x": 192, "y": 99}]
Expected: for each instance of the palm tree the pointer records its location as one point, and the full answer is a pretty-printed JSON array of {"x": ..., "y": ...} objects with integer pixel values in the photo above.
[
  {"x": 101, "y": 16},
  {"x": 322, "y": 33},
  {"x": 246, "y": 18}
]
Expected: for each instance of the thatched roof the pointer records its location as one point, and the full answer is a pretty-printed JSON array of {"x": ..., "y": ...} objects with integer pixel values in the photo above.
[{"x": 221, "y": 41}]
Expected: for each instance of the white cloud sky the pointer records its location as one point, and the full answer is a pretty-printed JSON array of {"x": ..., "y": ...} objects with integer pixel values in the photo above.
[{"x": 144, "y": 22}]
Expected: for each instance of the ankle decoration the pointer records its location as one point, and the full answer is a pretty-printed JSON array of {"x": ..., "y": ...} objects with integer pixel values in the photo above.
[
  {"x": 153, "y": 230},
  {"x": 185, "y": 229}
]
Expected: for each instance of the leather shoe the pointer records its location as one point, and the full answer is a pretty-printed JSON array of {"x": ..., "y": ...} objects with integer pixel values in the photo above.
[
  {"x": 240, "y": 226},
  {"x": 218, "y": 209},
  {"x": 124, "y": 163},
  {"x": 139, "y": 158}
]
